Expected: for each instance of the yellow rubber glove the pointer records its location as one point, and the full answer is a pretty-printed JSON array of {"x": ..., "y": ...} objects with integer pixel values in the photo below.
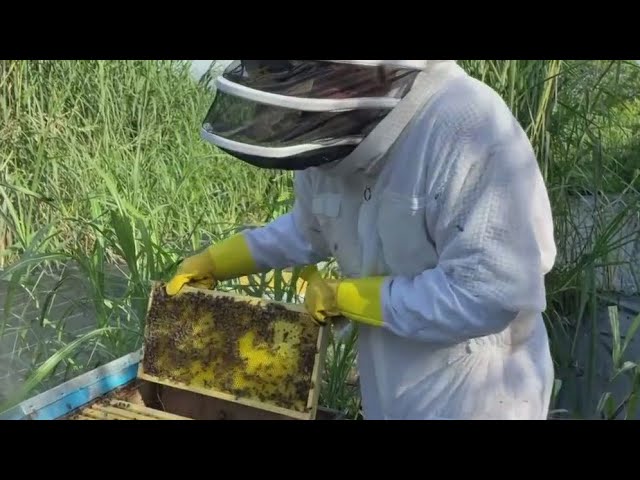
[
  {"x": 358, "y": 299},
  {"x": 320, "y": 295},
  {"x": 228, "y": 259}
]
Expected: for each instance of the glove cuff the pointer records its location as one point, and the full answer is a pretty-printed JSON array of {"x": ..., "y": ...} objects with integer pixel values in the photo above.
[
  {"x": 361, "y": 300},
  {"x": 232, "y": 258}
]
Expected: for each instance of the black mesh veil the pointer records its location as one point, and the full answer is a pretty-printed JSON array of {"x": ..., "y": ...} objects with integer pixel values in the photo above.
[{"x": 292, "y": 114}]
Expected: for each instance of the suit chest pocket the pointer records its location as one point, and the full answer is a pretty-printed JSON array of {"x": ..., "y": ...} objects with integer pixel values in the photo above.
[
  {"x": 337, "y": 224},
  {"x": 407, "y": 248}
]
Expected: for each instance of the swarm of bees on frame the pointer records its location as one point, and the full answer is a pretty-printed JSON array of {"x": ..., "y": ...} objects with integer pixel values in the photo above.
[{"x": 263, "y": 353}]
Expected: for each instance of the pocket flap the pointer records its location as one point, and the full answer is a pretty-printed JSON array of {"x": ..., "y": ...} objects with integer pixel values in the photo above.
[{"x": 327, "y": 204}]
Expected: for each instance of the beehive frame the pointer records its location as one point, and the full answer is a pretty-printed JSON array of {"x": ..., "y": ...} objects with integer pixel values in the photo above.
[{"x": 316, "y": 375}]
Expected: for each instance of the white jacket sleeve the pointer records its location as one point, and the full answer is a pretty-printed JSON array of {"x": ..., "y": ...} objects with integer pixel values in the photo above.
[
  {"x": 291, "y": 239},
  {"x": 490, "y": 220}
]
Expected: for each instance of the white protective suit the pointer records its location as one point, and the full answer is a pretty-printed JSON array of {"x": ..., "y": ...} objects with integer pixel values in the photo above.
[{"x": 457, "y": 214}]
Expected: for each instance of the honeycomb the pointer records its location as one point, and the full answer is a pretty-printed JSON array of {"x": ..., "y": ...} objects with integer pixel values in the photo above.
[{"x": 254, "y": 350}]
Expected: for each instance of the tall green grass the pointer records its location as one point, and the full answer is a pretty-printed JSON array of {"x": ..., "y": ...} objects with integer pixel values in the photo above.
[
  {"x": 104, "y": 170},
  {"x": 104, "y": 174}
]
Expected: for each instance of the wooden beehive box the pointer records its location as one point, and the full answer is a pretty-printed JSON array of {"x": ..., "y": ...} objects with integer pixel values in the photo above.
[{"x": 258, "y": 353}]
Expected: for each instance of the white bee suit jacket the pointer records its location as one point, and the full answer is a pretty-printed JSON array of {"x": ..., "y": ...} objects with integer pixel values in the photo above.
[{"x": 457, "y": 216}]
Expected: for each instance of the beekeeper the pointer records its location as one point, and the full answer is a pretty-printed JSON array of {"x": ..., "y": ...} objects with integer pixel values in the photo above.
[{"x": 422, "y": 185}]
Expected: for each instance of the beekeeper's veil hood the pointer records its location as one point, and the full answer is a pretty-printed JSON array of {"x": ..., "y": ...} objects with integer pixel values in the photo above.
[{"x": 295, "y": 114}]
